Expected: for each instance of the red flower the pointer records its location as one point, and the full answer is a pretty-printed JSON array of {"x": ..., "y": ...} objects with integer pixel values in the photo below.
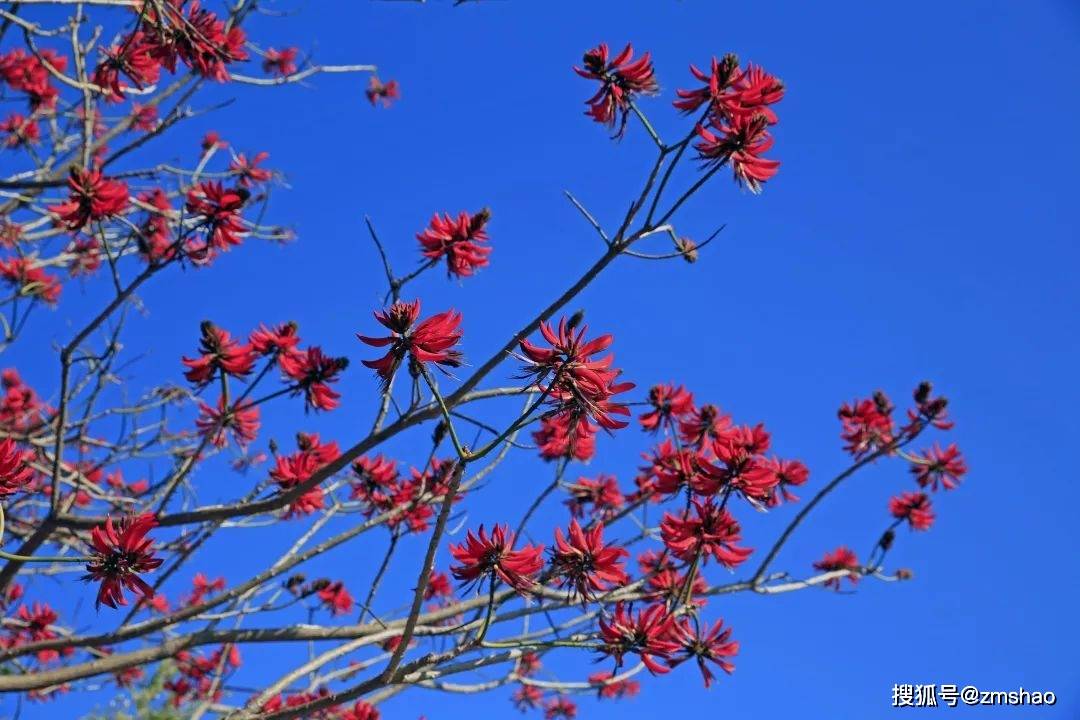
[
  {"x": 839, "y": 559},
  {"x": 458, "y": 240},
  {"x": 219, "y": 210},
  {"x": 155, "y": 240},
  {"x": 336, "y": 598},
  {"x": 219, "y": 353},
  {"x": 280, "y": 62},
  {"x": 30, "y": 281},
  {"x": 753, "y": 93},
  {"x": 15, "y": 470},
  {"x": 913, "y": 507},
  {"x": 621, "y": 79},
  {"x": 669, "y": 403},
  {"x": 480, "y": 556},
  {"x": 561, "y": 436},
  {"x": 723, "y": 74},
  {"x": 120, "y": 553},
  {"x": 603, "y": 494},
  {"x": 583, "y": 562},
  {"x": 700, "y": 427},
  {"x": 203, "y": 587},
  {"x": 673, "y": 470},
  {"x": 714, "y": 645},
  {"x": 579, "y": 385},
  {"x": 527, "y": 697},
  {"x": 741, "y": 142},
  {"x": 85, "y": 256},
  {"x": 712, "y": 530},
  {"x": 248, "y": 171},
  {"x": 651, "y": 635},
  {"x": 360, "y": 711},
  {"x": 143, "y": 117},
  {"x": 313, "y": 371},
  {"x": 21, "y": 410},
  {"x": 606, "y": 689},
  {"x": 928, "y": 409},
  {"x": 93, "y": 197},
  {"x": 744, "y": 470},
  {"x": 271, "y": 341},
  {"x": 28, "y": 74},
  {"x": 292, "y": 470},
  {"x": 560, "y": 707},
  {"x": 212, "y": 141},
  {"x": 669, "y": 586},
  {"x": 134, "y": 57},
  {"x": 21, "y": 131},
  {"x": 430, "y": 341},
  {"x": 377, "y": 91},
  {"x": 242, "y": 422},
  {"x": 376, "y": 480},
  {"x": 438, "y": 586},
  {"x": 866, "y": 425},
  {"x": 789, "y": 473},
  {"x": 940, "y": 466},
  {"x": 204, "y": 42}
]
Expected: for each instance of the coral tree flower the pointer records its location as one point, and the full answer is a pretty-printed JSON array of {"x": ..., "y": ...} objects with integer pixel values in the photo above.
[
  {"x": 651, "y": 635},
  {"x": 218, "y": 208},
  {"x": 915, "y": 508},
  {"x": 93, "y": 197},
  {"x": 219, "y": 353},
  {"x": 248, "y": 172},
  {"x": 866, "y": 425},
  {"x": 937, "y": 466},
  {"x": 713, "y": 645},
  {"x": 710, "y": 530},
  {"x": 669, "y": 403},
  {"x": 432, "y": 340},
  {"x": 562, "y": 436},
  {"x": 738, "y": 115},
  {"x": 240, "y": 421},
  {"x": 580, "y": 384},
  {"x": 313, "y": 371},
  {"x": 30, "y": 281},
  {"x": 15, "y": 470},
  {"x": 280, "y": 63},
  {"x": 740, "y": 142},
  {"x": 459, "y": 240},
  {"x": 621, "y": 79},
  {"x": 386, "y": 93},
  {"x": 120, "y": 553},
  {"x": 839, "y": 559},
  {"x": 582, "y": 561},
  {"x": 482, "y": 555}
]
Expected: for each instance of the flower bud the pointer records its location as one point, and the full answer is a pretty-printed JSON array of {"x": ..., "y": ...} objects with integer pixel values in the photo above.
[{"x": 886, "y": 540}]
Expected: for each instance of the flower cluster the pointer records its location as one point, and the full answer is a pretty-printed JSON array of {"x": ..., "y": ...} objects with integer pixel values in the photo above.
[
  {"x": 738, "y": 115},
  {"x": 621, "y": 78},
  {"x": 429, "y": 341},
  {"x": 120, "y": 554},
  {"x": 579, "y": 387},
  {"x": 461, "y": 241}
]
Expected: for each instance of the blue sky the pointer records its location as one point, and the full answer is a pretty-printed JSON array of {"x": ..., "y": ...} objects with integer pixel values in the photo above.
[{"x": 919, "y": 228}]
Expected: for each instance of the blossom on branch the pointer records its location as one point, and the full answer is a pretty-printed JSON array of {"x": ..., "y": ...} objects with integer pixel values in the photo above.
[
  {"x": 483, "y": 555},
  {"x": 432, "y": 340},
  {"x": 93, "y": 197},
  {"x": 460, "y": 241},
  {"x": 120, "y": 553},
  {"x": 839, "y": 559},
  {"x": 621, "y": 79},
  {"x": 582, "y": 561}
]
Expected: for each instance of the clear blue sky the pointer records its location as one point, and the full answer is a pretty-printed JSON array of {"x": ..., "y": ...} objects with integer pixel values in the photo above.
[{"x": 923, "y": 225}]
